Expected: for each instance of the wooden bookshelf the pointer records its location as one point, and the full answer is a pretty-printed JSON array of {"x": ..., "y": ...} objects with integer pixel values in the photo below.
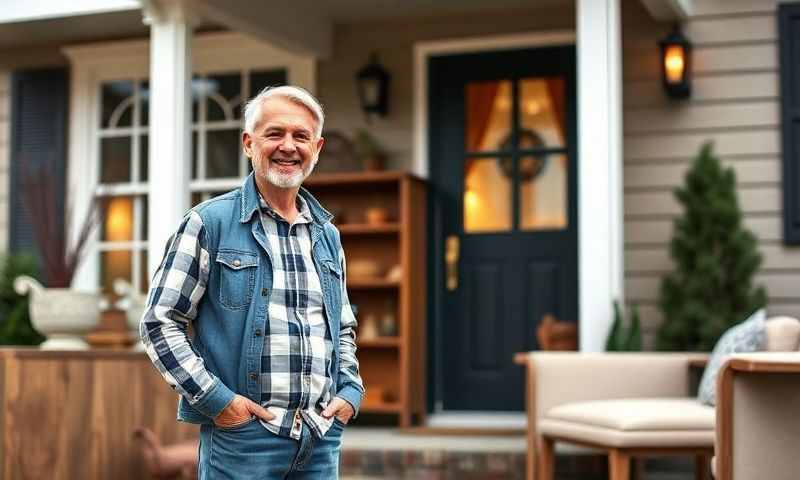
[{"x": 392, "y": 366}]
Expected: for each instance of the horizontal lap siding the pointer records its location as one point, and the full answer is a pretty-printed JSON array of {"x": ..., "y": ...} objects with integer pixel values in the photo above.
[
  {"x": 5, "y": 130},
  {"x": 736, "y": 104}
]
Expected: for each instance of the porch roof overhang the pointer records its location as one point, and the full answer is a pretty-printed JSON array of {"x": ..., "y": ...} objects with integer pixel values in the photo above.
[
  {"x": 669, "y": 10},
  {"x": 300, "y": 26}
]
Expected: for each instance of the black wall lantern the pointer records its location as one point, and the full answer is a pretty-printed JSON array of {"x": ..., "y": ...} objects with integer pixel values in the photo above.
[
  {"x": 676, "y": 64},
  {"x": 373, "y": 88}
]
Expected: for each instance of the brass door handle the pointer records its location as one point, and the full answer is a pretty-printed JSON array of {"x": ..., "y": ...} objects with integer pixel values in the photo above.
[{"x": 451, "y": 255}]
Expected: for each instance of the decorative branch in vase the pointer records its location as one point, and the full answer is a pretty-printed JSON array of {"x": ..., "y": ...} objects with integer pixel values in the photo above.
[{"x": 62, "y": 314}]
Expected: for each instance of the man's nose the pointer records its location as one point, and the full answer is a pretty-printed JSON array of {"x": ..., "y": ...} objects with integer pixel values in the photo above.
[{"x": 287, "y": 144}]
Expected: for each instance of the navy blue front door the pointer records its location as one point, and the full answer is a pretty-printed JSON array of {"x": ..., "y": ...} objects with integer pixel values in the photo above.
[{"x": 503, "y": 165}]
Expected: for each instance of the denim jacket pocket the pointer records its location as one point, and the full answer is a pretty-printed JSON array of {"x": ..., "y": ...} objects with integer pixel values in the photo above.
[{"x": 237, "y": 278}]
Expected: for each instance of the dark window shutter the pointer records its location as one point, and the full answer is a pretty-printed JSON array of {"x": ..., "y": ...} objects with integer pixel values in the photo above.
[
  {"x": 38, "y": 147},
  {"x": 789, "y": 28}
]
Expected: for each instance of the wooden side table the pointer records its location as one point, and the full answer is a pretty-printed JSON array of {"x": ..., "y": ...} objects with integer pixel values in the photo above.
[{"x": 758, "y": 403}]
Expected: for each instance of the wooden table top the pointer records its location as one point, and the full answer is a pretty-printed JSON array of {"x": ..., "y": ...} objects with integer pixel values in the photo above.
[{"x": 778, "y": 362}]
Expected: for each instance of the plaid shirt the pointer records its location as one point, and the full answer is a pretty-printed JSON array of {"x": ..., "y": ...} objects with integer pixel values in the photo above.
[{"x": 297, "y": 345}]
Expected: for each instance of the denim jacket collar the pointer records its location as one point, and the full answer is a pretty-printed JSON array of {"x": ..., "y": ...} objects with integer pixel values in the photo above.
[{"x": 250, "y": 202}]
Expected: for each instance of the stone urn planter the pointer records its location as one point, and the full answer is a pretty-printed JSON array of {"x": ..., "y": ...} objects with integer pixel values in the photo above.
[
  {"x": 62, "y": 315},
  {"x": 132, "y": 303}
]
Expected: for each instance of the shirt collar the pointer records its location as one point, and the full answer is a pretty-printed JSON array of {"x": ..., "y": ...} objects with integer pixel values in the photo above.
[{"x": 304, "y": 215}]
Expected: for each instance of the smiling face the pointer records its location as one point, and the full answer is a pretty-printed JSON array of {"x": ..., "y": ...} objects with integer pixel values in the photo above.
[{"x": 283, "y": 147}]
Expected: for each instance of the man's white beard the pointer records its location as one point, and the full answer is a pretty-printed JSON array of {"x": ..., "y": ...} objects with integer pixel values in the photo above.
[{"x": 293, "y": 180}]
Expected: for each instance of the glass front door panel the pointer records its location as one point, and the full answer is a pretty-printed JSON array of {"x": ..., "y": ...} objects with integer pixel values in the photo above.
[
  {"x": 488, "y": 116},
  {"x": 543, "y": 192},
  {"x": 541, "y": 113},
  {"x": 487, "y": 195}
]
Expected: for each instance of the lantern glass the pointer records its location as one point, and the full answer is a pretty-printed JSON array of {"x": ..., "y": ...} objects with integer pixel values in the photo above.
[
  {"x": 371, "y": 89},
  {"x": 674, "y": 63}
]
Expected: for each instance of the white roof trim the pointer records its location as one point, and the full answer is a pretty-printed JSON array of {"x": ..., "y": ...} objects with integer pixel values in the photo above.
[{"x": 26, "y": 11}]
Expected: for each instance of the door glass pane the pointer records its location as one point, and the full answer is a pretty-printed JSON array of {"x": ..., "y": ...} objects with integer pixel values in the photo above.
[
  {"x": 115, "y": 160},
  {"x": 222, "y": 153},
  {"x": 487, "y": 195},
  {"x": 117, "y": 219},
  {"x": 541, "y": 112},
  {"x": 114, "y": 264},
  {"x": 543, "y": 192},
  {"x": 116, "y": 104},
  {"x": 488, "y": 116}
]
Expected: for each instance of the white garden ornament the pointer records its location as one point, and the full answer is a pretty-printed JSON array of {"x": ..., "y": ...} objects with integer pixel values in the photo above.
[{"x": 62, "y": 315}]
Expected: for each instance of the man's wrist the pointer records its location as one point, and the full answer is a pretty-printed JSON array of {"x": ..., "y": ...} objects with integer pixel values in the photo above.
[{"x": 352, "y": 396}]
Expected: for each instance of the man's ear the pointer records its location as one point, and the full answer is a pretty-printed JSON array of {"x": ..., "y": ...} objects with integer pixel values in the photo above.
[
  {"x": 247, "y": 144},
  {"x": 320, "y": 143}
]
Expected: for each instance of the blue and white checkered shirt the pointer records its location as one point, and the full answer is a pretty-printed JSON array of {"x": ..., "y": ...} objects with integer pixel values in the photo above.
[{"x": 297, "y": 344}]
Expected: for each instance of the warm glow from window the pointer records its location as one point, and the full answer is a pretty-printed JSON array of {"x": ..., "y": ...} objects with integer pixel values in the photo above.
[
  {"x": 119, "y": 220},
  {"x": 674, "y": 63}
]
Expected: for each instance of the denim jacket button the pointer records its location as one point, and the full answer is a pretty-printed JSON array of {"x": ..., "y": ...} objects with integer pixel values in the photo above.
[
  {"x": 264, "y": 292},
  {"x": 237, "y": 263},
  {"x": 253, "y": 375},
  {"x": 258, "y": 332}
]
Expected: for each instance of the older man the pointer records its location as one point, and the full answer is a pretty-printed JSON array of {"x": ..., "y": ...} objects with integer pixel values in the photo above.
[{"x": 271, "y": 372}]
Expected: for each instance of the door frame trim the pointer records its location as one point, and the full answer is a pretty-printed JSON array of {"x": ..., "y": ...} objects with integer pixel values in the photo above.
[
  {"x": 420, "y": 166},
  {"x": 424, "y": 50}
]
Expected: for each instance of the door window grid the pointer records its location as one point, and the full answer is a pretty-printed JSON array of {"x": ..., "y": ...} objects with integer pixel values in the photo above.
[
  {"x": 520, "y": 124},
  {"x": 122, "y": 108}
]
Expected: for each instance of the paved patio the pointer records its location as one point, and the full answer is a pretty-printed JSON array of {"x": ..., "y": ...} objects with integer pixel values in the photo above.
[{"x": 386, "y": 453}]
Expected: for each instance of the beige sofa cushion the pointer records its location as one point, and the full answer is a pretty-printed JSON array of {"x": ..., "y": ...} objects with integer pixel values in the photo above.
[
  {"x": 643, "y": 422},
  {"x": 783, "y": 334}
]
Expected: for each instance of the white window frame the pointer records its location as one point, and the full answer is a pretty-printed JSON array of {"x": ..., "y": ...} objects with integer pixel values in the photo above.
[{"x": 94, "y": 64}]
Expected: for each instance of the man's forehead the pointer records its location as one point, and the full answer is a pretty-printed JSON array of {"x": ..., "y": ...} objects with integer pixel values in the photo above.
[{"x": 279, "y": 111}]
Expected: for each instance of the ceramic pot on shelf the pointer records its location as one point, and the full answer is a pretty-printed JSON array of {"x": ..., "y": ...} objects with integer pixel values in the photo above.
[{"x": 62, "y": 315}]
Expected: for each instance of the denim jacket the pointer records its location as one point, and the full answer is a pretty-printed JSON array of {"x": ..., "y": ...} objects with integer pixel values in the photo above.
[{"x": 228, "y": 312}]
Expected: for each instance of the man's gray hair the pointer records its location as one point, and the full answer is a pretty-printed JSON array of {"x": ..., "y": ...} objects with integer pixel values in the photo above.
[{"x": 300, "y": 96}]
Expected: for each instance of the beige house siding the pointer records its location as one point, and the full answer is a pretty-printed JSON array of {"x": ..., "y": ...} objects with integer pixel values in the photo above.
[
  {"x": 5, "y": 132},
  {"x": 736, "y": 104},
  {"x": 394, "y": 42}
]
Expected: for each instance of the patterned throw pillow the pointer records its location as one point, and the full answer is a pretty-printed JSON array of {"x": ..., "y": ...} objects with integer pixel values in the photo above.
[{"x": 748, "y": 336}]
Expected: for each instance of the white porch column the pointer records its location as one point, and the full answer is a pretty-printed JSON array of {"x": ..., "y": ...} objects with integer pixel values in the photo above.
[
  {"x": 600, "y": 211},
  {"x": 170, "y": 122}
]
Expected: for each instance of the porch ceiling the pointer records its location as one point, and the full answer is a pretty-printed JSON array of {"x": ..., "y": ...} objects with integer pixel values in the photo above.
[{"x": 306, "y": 26}]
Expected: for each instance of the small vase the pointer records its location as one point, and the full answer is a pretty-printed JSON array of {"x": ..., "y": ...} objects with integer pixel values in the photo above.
[{"x": 62, "y": 315}]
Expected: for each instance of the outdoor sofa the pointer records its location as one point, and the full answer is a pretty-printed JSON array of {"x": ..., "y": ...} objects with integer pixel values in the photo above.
[{"x": 626, "y": 404}]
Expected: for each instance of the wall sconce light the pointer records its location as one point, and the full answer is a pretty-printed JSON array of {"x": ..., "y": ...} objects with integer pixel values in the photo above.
[
  {"x": 676, "y": 64},
  {"x": 373, "y": 88}
]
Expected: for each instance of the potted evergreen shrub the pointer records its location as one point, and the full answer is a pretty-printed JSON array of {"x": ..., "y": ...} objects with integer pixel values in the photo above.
[{"x": 715, "y": 257}]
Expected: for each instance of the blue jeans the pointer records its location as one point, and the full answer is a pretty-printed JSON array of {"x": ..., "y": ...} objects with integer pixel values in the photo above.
[{"x": 251, "y": 452}]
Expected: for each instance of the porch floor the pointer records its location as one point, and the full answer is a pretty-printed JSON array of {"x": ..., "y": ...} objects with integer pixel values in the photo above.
[{"x": 371, "y": 453}]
